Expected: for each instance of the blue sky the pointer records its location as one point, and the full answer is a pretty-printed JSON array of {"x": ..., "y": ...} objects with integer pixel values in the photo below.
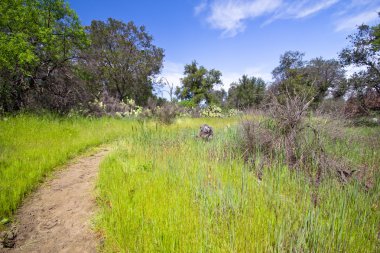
[{"x": 237, "y": 36}]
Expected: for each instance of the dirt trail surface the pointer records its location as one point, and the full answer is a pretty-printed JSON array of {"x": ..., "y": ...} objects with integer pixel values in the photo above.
[{"x": 56, "y": 218}]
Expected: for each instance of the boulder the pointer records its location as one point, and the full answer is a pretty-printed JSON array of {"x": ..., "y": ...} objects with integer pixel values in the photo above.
[{"x": 206, "y": 132}]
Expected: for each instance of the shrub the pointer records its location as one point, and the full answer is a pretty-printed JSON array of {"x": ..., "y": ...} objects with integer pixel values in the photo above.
[
  {"x": 212, "y": 111},
  {"x": 285, "y": 136},
  {"x": 332, "y": 108},
  {"x": 167, "y": 113},
  {"x": 233, "y": 112},
  {"x": 188, "y": 103}
]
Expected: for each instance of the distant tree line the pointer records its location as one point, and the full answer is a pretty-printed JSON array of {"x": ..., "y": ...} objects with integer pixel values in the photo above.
[
  {"x": 48, "y": 60},
  {"x": 318, "y": 78}
]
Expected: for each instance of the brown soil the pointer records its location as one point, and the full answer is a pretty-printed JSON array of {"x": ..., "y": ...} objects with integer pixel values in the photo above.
[{"x": 57, "y": 217}]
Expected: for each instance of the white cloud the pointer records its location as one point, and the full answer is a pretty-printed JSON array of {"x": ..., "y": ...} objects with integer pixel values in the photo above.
[
  {"x": 314, "y": 8},
  {"x": 230, "y": 16},
  {"x": 300, "y": 9},
  {"x": 201, "y": 7},
  {"x": 351, "y": 22},
  {"x": 172, "y": 72}
]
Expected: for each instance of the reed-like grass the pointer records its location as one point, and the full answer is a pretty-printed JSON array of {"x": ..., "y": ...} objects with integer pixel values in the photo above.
[
  {"x": 163, "y": 190},
  {"x": 32, "y": 146}
]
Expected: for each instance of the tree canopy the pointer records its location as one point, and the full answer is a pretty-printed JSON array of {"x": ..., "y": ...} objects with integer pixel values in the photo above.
[
  {"x": 364, "y": 51},
  {"x": 122, "y": 59},
  {"x": 37, "y": 37},
  {"x": 198, "y": 83},
  {"x": 315, "y": 78},
  {"x": 248, "y": 92}
]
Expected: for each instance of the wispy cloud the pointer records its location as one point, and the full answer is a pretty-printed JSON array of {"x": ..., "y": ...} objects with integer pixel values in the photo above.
[
  {"x": 312, "y": 8},
  {"x": 231, "y": 16},
  {"x": 351, "y": 22},
  {"x": 201, "y": 7},
  {"x": 300, "y": 9}
]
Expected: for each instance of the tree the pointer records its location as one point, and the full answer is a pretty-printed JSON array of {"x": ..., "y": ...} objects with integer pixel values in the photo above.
[
  {"x": 289, "y": 62},
  {"x": 198, "y": 83},
  {"x": 122, "y": 60},
  {"x": 326, "y": 75},
  {"x": 290, "y": 77},
  {"x": 314, "y": 78},
  {"x": 219, "y": 97},
  {"x": 37, "y": 37},
  {"x": 364, "y": 52},
  {"x": 248, "y": 92}
]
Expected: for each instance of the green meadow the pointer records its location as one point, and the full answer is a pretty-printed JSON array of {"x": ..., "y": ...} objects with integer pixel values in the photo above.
[{"x": 161, "y": 189}]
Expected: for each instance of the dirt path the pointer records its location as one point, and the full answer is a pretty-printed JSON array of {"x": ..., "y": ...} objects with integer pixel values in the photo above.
[{"x": 56, "y": 218}]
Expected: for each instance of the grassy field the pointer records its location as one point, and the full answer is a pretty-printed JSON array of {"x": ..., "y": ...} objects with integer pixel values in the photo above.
[
  {"x": 31, "y": 147},
  {"x": 163, "y": 190}
]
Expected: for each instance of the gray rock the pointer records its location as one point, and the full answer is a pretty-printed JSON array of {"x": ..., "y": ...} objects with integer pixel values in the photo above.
[{"x": 206, "y": 132}]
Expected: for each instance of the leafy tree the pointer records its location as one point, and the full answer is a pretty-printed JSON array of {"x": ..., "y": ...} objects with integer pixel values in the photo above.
[
  {"x": 248, "y": 92},
  {"x": 37, "y": 37},
  {"x": 290, "y": 77},
  {"x": 198, "y": 83},
  {"x": 289, "y": 62},
  {"x": 219, "y": 97},
  {"x": 364, "y": 51},
  {"x": 326, "y": 75},
  {"x": 122, "y": 60},
  {"x": 314, "y": 78}
]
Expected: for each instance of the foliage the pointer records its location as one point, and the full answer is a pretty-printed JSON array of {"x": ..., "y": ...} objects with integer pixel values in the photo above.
[
  {"x": 121, "y": 60},
  {"x": 289, "y": 61},
  {"x": 212, "y": 111},
  {"x": 167, "y": 113},
  {"x": 33, "y": 146},
  {"x": 234, "y": 112},
  {"x": 37, "y": 39},
  {"x": 187, "y": 103},
  {"x": 198, "y": 83},
  {"x": 332, "y": 107},
  {"x": 248, "y": 92},
  {"x": 325, "y": 75},
  {"x": 364, "y": 52},
  {"x": 315, "y": 78}
]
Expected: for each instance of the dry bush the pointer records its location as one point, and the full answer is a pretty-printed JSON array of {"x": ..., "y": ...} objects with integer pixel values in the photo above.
[
  {"x": 167, "y": 113},
  {"x": 331, "y": 108},
  {"x": 289, "y": 117},
  {"x": 286, "y": 136}
]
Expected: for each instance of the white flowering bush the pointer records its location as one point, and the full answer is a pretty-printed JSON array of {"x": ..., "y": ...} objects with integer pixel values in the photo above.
[
  {"x": 212, "y": 111},
  {"x": 233, "y": 112}
]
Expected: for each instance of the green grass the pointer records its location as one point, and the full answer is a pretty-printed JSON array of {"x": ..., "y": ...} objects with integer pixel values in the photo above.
[
  {"x": 32, "y": 146},
  {"x": 163, "y": 190}
]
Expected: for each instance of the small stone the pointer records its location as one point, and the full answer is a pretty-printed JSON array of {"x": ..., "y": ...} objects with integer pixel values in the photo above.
[{"x": 206, "y": 132}]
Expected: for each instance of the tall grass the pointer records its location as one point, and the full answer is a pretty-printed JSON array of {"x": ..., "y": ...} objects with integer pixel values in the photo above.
[
  {"x": 163, "y": 190},
  {"x": 32, "y": 146}
]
